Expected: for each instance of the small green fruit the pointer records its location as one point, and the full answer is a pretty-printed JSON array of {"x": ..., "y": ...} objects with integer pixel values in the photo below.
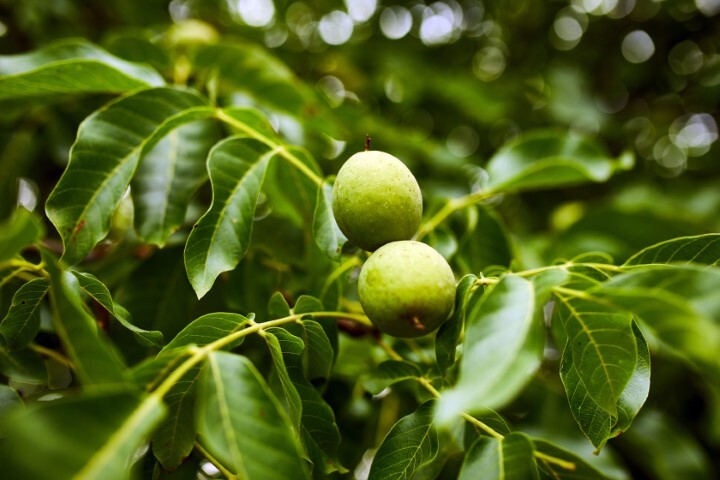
[
  {"x": 407, "y": 289},
  {"x": 376, "y": 200}
]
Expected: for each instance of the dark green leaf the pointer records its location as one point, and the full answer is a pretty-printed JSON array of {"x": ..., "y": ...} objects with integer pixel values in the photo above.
[
  {"x": 511, "y": 458},
  {"x": 596, "y": 422},
  {"x": 71, "y": 66},
  {"x": 319, "y": 351},
  {"x": 410, "y": 444},
  {"x": 497, "y": 330},
  {"x": 21, "y": 230},
  {"x": 22, "y": 322},
  {"x": 109, "y": 145},
  {"x": 549, "y": 159},
  {"x": 221, "y": 237},
  {"x": 9, "y": 401},
  {"x": 207, "y": 329},
  {"x": 388, "y": 373},
  {"x": 94, "y": 436},
  {"x": 551, "y": 471},
  {"x": 24, "y": 365},
  {"x": 278, "y": 306},
  {"x": 99, "y": 292},
  {"x": 449, "y": 334},
  {"x": 242, "y": 424},
  {"x": 484, "y": 243},
  {"x": 93, "y": 356},
  {"x": 174, "y": 438},
  {"x": 167, "y": 177},
  {"x": 601, "y": 342},
  {"x": 703, "y": 249},
  {"x": 328, "y": 236}
]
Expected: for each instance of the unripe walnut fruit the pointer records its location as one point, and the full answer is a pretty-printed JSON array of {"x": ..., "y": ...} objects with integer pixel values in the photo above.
[
  {"x": 376, "y": 200},
  {"x": 406, "y": 289}
]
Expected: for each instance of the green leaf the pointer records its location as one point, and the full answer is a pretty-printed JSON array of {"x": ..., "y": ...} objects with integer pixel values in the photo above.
[
  {"x": 511, "y": 458},
  {"x": 9, "y": 401},
  {"x": 388, "y": 373},
  {"x": 109, "y": 145},
  {"x": 94, "y": 436},
  {"x": 679, "y": 304},
  {"x": 290, "y": 192},
  {"x": 703, "y": 249},
  {"x": 550, "y": 159},
  {"x": 596, "y": 422},
  {"x": 167, "y": 178},
  {"x": 71, "y": 66},
  {"x": 411, "y": 443},
  {"x": 24, "y": 365},
  {"x": 242, "y": 424},
  {"x": 601, "y": 345},
  {"x": 447, "y": 337},
  {"x": 93, "y": 356},
  {"x": 22, "y": 321},
  {"x": 485, "y": 242},
  {"x": 207, "y": 329},
  {"x": 99, "y": 292},
  {"x": 174, "y": 438},
  {"x": 550, "y": 471},
  {"x": 328, "y": 236},
  {"x": 320, "y": 433},
  {"x": 319, "y": 351},
  {"x": 497, "y": 330},
  {"x": 277, "y": 306},
  {"x": 221, "y": 237},
  {"x": 21, "y": 230}
]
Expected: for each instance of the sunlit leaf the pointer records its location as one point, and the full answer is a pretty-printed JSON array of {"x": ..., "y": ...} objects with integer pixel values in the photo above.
[
  {"x": 103, "y": 159},
  {"x": 167, "y": 177},
  {"x": 93, "y": 436},
  {"x": 221, "y": 237},
  {"x": 328, "y": 236},
  {"x": 410, "y": 444},
  {"x": 550, "y": 159},
  {"x": 71, "y": 66},
  {"x": 496, "y": 339},
  {"x": 511, "y": 458},
  {"x": 704, "y": 249},
  {"x": 242, "y": 424},
  {"x": 22, "y": 321}
]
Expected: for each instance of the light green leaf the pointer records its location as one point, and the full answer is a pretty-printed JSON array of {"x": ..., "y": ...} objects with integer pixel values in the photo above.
[
  {"x": 243, "y": 425},
  {"x": 93, "y": 356},
  {"x": 484, "y": 243},
  {"x": 449, "y": 334},
  {"x": 703, "y": 249},
  {"x": 411, "y": 443},
  {"x": 22, "y": 321},
  {"x": 21, "y": 230},
  {"x": 109, "y": 145},
  {"x": 167, "y": 178},
  {"x": 328, "y": 236},
  {"x": 549, "y": 159},
  {"x": 597, "y": 423},
  {"x": 207, "y": 329},
  {"x": 93, "y": 436},
  {"x": 679, "y": 303},
  {"x": 549, "y": 471},
  {"x": 174, "y": 437},
  {"x": 388, "y": 373},
  {"x": 99, "y": 292},
  {"x": 221, "y": 237},
  {"x": 511, "y": 458},
  {"x": 277, "y": 306},
  {"x": 497, "y": 330},
  {"x": 71, "y": 66},
  {"x": 602, "y": 344}
]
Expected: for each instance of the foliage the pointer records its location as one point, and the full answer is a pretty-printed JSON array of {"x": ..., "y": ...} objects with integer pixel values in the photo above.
[{"x": 185, "y": 306}]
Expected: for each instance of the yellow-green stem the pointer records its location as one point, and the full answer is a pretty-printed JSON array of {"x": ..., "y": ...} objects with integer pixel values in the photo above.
[
  {"x": 282, "y": 150},
  {"x": 228, "y": 474},
  {"x": 448, "y": 209}
]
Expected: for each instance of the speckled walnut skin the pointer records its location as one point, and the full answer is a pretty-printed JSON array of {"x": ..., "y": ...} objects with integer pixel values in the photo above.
[
  {"x": 376, "y": 200},
  {"x": 406, "y": 289}
]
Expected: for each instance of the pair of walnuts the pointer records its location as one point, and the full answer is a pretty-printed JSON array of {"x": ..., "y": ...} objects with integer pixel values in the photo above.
[{"x": 406, "y": 288}]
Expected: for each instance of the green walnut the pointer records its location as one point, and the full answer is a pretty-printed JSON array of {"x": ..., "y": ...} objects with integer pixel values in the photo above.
[
  {"x": 407, "y": 289},
  {"x": 376, "y": 200}
]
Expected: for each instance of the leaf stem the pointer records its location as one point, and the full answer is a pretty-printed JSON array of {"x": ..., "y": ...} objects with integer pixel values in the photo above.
[
  {"x": 555, "y": 461},
  {"x": 50, "y": 353},
  {"x": 282, "y": 150},
  {"x": 449, "y": 208},
  {"x": 348, "y": 264},
  {"x": 228, "y": 474}
]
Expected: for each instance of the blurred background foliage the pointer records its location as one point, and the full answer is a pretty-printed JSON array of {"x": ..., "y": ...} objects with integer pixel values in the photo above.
[{"x": 442, "y": 85}]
